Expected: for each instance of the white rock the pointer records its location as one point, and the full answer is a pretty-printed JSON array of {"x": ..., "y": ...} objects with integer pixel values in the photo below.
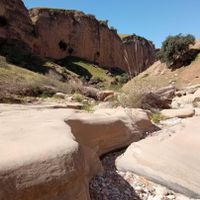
[{"x": 181, "y": 112}]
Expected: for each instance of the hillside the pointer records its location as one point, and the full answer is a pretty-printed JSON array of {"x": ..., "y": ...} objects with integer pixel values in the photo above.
[
  {"x": 22, "y": 81},
  {"x": 159, "y": 75}
]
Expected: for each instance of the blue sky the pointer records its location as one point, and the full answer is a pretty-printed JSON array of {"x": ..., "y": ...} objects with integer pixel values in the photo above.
[{"x": 152, "y": 19}]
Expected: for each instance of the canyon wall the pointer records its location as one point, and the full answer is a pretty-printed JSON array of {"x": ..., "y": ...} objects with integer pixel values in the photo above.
[
  {"x": 15, "y": 22},
  {"x": 56, "y": 33}
]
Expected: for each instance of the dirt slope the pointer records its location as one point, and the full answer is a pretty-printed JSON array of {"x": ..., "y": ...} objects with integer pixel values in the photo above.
[{"x": 159, "y": 75}]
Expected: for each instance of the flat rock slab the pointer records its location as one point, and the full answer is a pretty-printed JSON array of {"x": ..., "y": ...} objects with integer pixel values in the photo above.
[
  {"x": 181, "y": 113},
  {"x": 39, "y": 156},
  {"x": 170, "y": 158},
  {"x": 42, "y": 158},
  {"x": 109, "y": 129}
]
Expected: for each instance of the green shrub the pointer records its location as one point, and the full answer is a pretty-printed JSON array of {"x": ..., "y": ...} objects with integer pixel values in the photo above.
[
  {"x": 156, "y": 117},
  {"x": 133, "y": 38},
  {"x": 77, "y": 97},
  {"x": 103, "y": 22},
  {"x": 122, "y": 79},
  {"x": 91, "y": 16},
  {"x": 87, "y": 106},
  {"x": 175, "y": 47},
  {"x": 113, "y": 29},
  {"x": 96, "y": 80}
]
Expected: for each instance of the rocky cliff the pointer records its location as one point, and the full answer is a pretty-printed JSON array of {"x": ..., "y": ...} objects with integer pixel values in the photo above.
[
  {"x": 15, "y": 22},
  {"x": 56, "y": 33}
]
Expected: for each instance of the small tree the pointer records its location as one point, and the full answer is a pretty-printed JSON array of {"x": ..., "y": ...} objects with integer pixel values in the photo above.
[
  {"x": 103, "y": 22},
  {"x": 113, "y": 29},
  {"x": 175, "y": 47}
]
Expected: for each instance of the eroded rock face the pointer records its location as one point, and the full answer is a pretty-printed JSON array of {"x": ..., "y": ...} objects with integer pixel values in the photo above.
[
  {"x": 59, "y": 33},
  {"x": 160, "y": 99},
  {"x": 169, "y": 158},
  {"x": 109, "y": 129},
  {"x": 181, "y": 113},
  {"x": 71, "y": 33},
  {"x": 15, "y": 22},
  {"x": 42, "y": 158}
]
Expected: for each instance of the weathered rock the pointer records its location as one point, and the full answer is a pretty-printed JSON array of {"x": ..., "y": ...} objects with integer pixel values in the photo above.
[
  {"x": 108, "y": 129},
  {"x": 15, "y": 21},
  {"x": 181, "y": 112},
  {"x": 95, "y": 42},
  {"x": 56, "y": 33},
  {"x": 39, "y": 157},
  {"x": 160, "y": 99},
  {"x": 89, "y": 92},
  {"x": 103, "y": 95},
  {"x": 197, "y": 93},
  {"x": 185, "y": 101},
  {"x": 196, "y": 102},
  {"x": 170, "y": 159},
  {"x": 60, "y": 95},
  {"x": 166, "y": 92}
]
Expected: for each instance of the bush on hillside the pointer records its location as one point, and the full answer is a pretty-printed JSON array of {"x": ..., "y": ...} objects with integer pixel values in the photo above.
[
  {"x": 174, "y": 48},
  {"x": 113, "y": 29},
  {"x": 104, "y": 22}
]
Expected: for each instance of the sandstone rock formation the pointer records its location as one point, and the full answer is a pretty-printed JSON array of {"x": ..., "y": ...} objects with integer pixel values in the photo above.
[
  {"x": 71, "y": 33},
  {"x": 103, "y": 95},
  {"x": 109, "y": 129},
  {"x": 181, "y": 113},
  {"x": 41, "y": 159},
  {"x": 55, "y": 33},
  {"x": 160, "y": 99},
  {"x": 170, "y": 158},
  {"x": 15, "y": 22},
  {"x": 191, "y": 97}
]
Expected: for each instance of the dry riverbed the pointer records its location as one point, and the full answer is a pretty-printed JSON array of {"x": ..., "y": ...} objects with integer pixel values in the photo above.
[{"x": 118, "y": 185}]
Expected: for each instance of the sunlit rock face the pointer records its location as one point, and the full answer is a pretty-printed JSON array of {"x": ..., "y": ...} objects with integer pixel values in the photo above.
[
  {"x": 72, "y": 33},
  {"x": 57, "y": 33}
]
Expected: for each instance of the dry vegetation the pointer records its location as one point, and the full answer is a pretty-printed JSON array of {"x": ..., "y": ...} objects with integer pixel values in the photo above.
[
  {"x": 158, "y": 76},
  {"x": 16, "y": 81}
]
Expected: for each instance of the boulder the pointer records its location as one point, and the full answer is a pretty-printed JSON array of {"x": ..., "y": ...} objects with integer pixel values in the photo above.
[
  {"x": 170, "y": 158},
  {"x": 197, "y": 93},
  {"x": 105, "y": 94},
  {"x": 60, "y": 95},
  {"x": 39, "y": 157},
  {"x": 184, "y": 101},
  {"x": 181, "y": 113},
  {"x": 109, "y": 129},
  {"x": 89, "y": 92},
  {"x": 160, "y": 99},
  {"x": 196, "y": 102}
]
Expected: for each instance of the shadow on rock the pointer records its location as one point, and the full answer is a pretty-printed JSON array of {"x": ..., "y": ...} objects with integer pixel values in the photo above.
[{"x": 110, "y": 185}]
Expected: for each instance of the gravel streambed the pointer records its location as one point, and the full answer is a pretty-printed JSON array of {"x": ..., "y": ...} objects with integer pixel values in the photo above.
[{"x": 118, "y": 185}]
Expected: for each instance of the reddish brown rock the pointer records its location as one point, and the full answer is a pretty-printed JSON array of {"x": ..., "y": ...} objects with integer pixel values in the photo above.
[
  {"x": 15, "y": 22},
  {"x": 72, "y": 33},
  {"x": 56, "y": 33}
]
